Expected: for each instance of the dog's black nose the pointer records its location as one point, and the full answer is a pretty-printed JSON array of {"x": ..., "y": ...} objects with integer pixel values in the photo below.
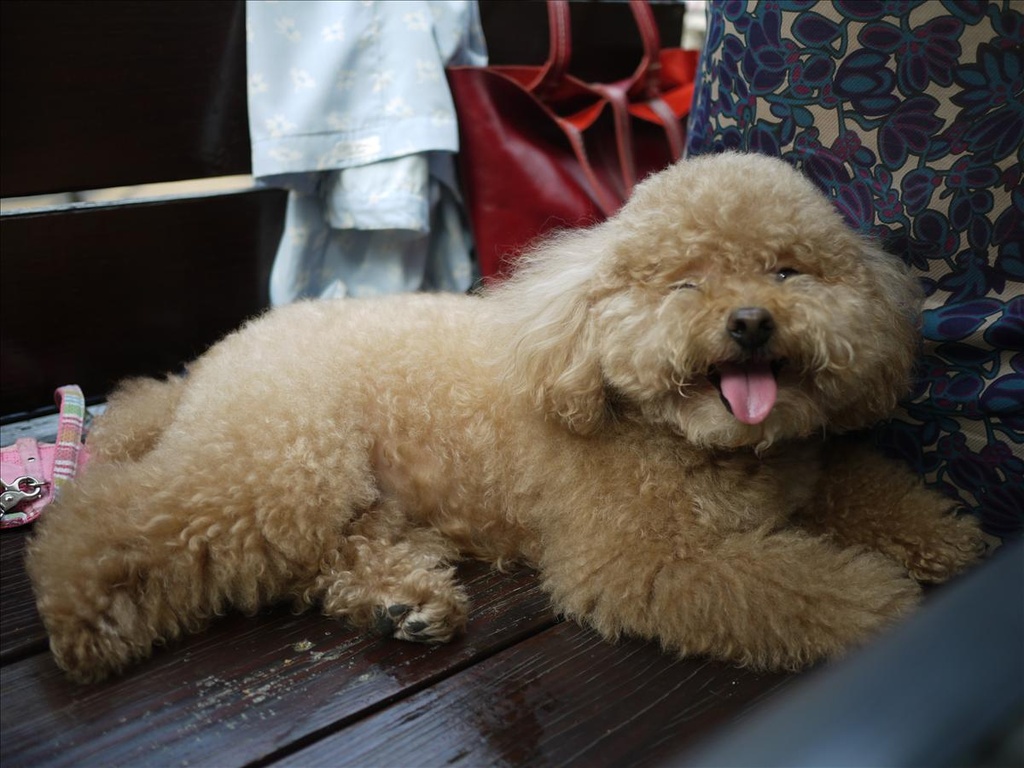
[{"x": 751, "y": 327}]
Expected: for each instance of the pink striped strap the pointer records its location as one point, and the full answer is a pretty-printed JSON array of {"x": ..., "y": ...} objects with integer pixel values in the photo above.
[{"x": 33, "y": 473}]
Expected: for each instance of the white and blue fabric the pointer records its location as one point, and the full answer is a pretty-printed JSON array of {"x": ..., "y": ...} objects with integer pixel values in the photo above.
[{"x": 349, "y": 110}]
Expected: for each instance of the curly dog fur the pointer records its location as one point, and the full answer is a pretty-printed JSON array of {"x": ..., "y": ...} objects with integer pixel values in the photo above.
[{"x": 644, "y": 412}]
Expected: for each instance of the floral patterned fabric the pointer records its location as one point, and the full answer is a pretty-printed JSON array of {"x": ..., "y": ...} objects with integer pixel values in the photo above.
[{"x": 910, "y": 115}]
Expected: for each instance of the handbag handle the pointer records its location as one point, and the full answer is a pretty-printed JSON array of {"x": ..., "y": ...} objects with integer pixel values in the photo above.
[
  {"x": 645, "y": 80},
  {"x": 647, "y": 76},
  {"x": 559, "y": 49},
  {"x": 645, "y": 83},
  {"x": 556, "y": 67}
]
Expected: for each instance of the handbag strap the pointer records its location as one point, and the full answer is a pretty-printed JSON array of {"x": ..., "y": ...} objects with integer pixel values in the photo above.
[
  {"x": 644, "y": 82},
  {"x": 606, "y": 201},
  {"x": 647, "y": 78},
  {"x": 559, "y": 49},
  {"x": 619, "y": 100},
  {"x": 668, "y": 120}
]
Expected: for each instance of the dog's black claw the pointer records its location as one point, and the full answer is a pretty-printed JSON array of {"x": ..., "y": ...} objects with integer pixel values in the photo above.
[
  {"x": 386, "y": 618},
  {"x": 384, "y": 624},
  {"x": 415, "y": 629}
]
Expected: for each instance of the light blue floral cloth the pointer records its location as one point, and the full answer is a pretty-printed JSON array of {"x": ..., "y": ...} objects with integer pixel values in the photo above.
[{"x": 350, "y": 110}]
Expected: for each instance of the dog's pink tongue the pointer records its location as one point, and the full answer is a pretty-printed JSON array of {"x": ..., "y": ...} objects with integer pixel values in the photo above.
[{"x": 750, "y": 390}]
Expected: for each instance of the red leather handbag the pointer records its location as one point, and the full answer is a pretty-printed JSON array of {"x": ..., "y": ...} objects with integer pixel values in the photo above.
[{"x": 540, "y": 149}]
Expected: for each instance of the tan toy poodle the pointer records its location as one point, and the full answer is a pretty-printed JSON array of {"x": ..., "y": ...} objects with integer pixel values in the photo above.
[{"x": 644, "y": 412}]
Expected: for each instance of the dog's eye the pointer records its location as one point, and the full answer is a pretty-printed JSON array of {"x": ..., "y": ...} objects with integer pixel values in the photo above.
[
  {"x": 684, "y": 285},
  {"x": 785, "y": 273}
]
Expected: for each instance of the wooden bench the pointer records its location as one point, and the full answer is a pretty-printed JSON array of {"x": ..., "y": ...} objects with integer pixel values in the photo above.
[
  {"x": 114, "y": 94},
  {"x": 109, "y": 94}
]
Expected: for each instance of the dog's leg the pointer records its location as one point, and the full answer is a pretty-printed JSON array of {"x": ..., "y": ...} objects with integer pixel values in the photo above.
[
  {"x": 394, "y": 579},
  {"x": 111, "y": 572},
  {"x": 135, "y": 553},
  {"x": 775, "y": 600},
  {"x": 868, "y": 500}
]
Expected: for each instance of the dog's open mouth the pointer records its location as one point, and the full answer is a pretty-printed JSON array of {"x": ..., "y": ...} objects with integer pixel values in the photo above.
[{"x": 748, "y": 389}]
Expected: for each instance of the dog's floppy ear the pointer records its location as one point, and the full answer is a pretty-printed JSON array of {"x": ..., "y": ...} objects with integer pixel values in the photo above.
[
  {"x": 884, "y": 370},
  {"x": 547, "y": 333}
]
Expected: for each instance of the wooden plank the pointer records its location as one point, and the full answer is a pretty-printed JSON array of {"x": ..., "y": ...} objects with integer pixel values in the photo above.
[
  {"x": 97, "y": 293},
  {"x": 108, "y": 94},
  {"x": 563, "y": 697},
  {"x": 248, "y": 688}
]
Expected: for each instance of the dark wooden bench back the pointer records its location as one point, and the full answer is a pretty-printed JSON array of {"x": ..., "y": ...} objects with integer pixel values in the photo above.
[{"x": 110, "y": 94}]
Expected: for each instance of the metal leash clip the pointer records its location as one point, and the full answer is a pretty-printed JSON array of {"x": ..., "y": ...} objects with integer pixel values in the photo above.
[{"x": 23, "y": 489}]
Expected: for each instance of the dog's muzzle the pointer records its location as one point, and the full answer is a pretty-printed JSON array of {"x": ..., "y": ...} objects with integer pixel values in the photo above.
[{"x": 749, "y": 387}]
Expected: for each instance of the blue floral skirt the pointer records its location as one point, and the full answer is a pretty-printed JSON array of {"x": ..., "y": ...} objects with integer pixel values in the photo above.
[{"x": 910, "y": 115}]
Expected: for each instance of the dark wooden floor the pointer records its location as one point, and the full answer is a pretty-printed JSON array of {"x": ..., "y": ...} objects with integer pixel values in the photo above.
[{"x": 520, "y": 688}]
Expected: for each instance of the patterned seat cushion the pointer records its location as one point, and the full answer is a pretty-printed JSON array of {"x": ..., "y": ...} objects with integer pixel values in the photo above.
[{"x": 910, "y": 115}]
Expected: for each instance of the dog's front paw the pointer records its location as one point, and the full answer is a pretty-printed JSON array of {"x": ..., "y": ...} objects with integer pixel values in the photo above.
[
  {"x": 436, "y": 621},
  {"x": 848, "y": 605},
  {"x": 950, "y": 545}
]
